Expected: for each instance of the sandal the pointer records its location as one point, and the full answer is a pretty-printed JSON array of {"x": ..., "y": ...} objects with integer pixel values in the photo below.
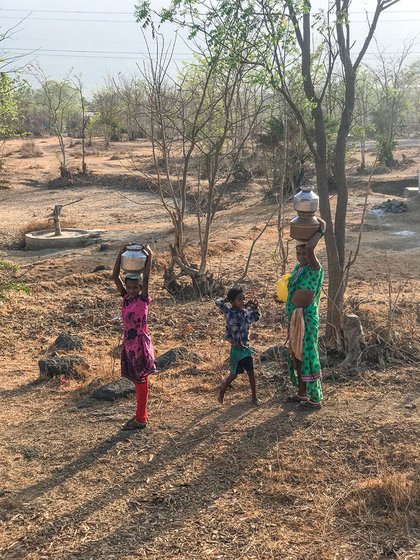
[
  {"x": 134, "y": 425},
  {"x": 310, "y": 405},
  {"x": 296, "y": 399}
]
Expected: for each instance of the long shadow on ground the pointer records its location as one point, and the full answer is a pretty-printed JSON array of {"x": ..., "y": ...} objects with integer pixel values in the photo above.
[{"x": 252, "y": 445}]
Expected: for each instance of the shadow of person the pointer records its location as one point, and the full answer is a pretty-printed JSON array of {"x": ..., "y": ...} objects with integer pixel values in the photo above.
[{"x": 218, "y": 476}]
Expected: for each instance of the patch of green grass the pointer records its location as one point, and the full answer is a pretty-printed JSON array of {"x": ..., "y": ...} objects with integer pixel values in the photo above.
[
  {"x": 10, "y": 286},
  {"x": 7, "y": 285},
  {"x": 7, "y": 265}
]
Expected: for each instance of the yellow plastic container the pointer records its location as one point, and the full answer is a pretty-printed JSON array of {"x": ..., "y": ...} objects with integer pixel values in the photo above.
[{"x": 281, "y": 288}]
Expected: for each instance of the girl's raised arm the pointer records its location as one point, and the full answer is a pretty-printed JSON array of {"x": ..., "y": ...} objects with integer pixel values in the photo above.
[
  {"x": 147, "y": 271},
  {"x": 116, "y": 272}
]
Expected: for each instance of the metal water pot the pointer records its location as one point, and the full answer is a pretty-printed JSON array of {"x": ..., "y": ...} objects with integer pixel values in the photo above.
[
  {"x": 305, "y": 225},
  {"x": 306, "y": 200},
  {"x": 133, "y": 260}
]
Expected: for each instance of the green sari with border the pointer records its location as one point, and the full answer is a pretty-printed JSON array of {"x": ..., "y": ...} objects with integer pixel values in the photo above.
[{"x": 305, "y": 278}]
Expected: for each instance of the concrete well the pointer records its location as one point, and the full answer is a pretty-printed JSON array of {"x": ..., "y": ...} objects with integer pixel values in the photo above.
[{"x": 69, "y": 239}]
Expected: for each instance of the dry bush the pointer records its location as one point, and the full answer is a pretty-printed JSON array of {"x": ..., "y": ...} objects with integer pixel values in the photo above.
[
  {"x": 35, "y": 225},
  {"x": 390, "y": 498},
  {"x": 30, "y": 150},
  {"x": 117, "y": 156}
]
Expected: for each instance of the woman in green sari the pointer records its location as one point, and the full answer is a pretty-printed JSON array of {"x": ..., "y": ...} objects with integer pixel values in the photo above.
[{"x": 304, "y": 290}]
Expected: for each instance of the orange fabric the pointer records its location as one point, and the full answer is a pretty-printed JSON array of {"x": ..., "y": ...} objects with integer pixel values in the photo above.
[{"x": 296, "y": 333}]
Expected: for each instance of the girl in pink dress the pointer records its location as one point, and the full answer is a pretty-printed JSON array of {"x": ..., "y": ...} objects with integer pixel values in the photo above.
[{"x": 137, "y": 357}]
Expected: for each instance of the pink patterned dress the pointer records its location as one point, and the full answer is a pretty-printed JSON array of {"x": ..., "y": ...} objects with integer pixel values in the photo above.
[{"x": 137, "y": 358}]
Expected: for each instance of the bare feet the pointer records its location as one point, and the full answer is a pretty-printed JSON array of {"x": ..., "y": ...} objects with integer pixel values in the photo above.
[
  {"x": 255, "y": 401},
  {"x": 220, "y": 396}
]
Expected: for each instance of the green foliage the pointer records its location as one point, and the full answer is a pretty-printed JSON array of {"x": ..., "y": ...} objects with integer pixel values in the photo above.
[
  {"x": 10, "y": 286},
  {"x": 60, "y": 104},
  {"x": 386, "y": 146},
  {"x": 276, "y": 129},
  {"x": 9, "y": 266},
  {"x": 8, "y": 105},
  {"x": 7, "y": 284},
  {"x": 108, "y": 113},
  {"x": 54, "y": 107}
]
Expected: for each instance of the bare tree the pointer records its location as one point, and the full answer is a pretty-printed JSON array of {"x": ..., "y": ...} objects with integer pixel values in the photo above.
[
  {"x": 59, "y": 100},
  {"x": 85, "y": 119},
  {"x": 393, "y": 77},
  {"x": 198, "y": 127}
]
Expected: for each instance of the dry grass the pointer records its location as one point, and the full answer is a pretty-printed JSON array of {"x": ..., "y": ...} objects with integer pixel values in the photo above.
[
  {"x": 202, "y": 481},
  {"x": 30, "y": 150},
  {"x": 35, "y": 225},
  {"x": 390, "y": 494}
]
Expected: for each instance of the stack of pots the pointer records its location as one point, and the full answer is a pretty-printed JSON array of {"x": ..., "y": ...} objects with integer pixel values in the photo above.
[{"x": 305, "y": 225}]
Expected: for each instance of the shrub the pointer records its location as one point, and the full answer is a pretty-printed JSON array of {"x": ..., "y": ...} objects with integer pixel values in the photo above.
[
  {"x": 30, "y": 150},
  {"x": 7, "y": 283}
]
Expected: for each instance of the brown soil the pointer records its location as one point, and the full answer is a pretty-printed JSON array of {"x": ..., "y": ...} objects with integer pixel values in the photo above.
[{"x": 203, "y": 481}]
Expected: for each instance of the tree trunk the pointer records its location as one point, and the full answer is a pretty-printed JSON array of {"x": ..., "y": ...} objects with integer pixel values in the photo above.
[
  {"x": 335, "y": 273},
  {"x": 363, "y": 156},
  {"x": 354, "y": 340},
  {"x": 340, "y": 164}
]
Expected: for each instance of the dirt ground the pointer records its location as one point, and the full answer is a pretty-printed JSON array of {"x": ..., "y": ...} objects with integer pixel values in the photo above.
[{"x": 203, "y": 480}]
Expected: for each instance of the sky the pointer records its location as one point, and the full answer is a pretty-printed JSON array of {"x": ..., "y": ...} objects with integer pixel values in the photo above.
[{"x": 96, "y": 38}]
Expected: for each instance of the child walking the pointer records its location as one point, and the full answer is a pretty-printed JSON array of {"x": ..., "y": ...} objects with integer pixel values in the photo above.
[
  {"x": 239, "y": 318},
  {"x": 137, "y": 357}
]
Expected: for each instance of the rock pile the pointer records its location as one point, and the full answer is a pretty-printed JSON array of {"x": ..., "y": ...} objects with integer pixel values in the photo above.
[
  {"x": 67, "y": 366},
  {"x": 66, "y": 341},
  {"x": 392, "y": 206},
  {"x": 63, "y": 366}
]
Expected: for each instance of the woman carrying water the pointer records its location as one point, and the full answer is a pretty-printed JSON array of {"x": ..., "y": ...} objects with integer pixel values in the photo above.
[{"x": 304, "y": 290}]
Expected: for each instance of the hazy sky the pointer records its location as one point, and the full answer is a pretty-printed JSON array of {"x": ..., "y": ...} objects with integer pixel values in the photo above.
[{"x": 103, "y": 37}]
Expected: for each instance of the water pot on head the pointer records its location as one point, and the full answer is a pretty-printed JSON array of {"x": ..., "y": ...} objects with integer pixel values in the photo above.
[
  {"x": 305, "y": 225},
  {"x": 133, "y": 259}
]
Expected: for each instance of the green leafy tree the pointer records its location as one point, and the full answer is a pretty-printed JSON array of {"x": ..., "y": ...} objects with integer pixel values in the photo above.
[
  {"x": 107, "y": 118},
  {"x": 8, "y": 105}
]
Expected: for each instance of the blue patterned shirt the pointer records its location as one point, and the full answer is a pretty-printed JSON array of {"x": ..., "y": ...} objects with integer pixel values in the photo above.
[{"x": 238, "y": 322}]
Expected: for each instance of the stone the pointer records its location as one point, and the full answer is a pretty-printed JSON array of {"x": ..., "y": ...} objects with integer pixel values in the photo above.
[
  {"x": 67, "y": 341},
  {"x": 120, "y": 388},
  {"x": 99, "y": 268},
  {"x": 66, "y": 366},
  {"x": 411, "y": 191},
  {"x": 410, "y": 406},
  {"x": 392, "y": 206},
  {"x": 104, "y": 247},
  {"x": 278, "y": 353},
  {"x": 176, "y": 355}
]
